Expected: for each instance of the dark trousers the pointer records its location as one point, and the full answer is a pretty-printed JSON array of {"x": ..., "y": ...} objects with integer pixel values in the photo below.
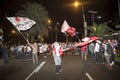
[
  {"x": 112, "y": 58},
  {"x": 58, "y": 68},
  {"x": 99, "y": 57}
]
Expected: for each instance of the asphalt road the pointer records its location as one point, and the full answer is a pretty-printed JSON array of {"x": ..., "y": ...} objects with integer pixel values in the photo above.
[{"x": 74, "y": 68}]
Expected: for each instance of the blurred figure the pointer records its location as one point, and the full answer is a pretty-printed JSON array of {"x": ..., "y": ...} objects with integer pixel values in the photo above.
[
  {"x": 98, "y": 53},
  {"x": 91, "y": 49},
  {"x": 34, "y": 52},
  {"x": 28, "y": 52},
  {"x": 111, "y": 50},
  {"x": 84, "y": 52},
  {"x": 1, "y": 54},
  {"x": 107, "y": 56},
  {"x": 5, "y": 54},
  {"x": 57, "y": 52}
]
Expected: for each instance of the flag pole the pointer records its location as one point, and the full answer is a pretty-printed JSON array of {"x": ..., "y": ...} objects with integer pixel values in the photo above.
[
  {"x": 22, "y": 35},
  {"x": 77, "y": 37},
  {"x": 19, "y": 25}
]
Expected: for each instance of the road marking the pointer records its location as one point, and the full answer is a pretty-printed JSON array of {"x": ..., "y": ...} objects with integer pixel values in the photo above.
[
  {"x": 88, "y": 76},
  {"x": 36, "y": 70}
]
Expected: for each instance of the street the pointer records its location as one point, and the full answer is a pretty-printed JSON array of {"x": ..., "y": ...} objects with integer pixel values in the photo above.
[{"x": 73, "y": 68}]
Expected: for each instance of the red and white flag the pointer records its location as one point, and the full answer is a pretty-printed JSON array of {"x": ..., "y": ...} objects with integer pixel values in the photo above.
[
  {"x": 67, "y": 29},
  {"x": 87, "y": 40},
  {"x": 71, "y": 31},
  {"x": 21, "y": 23},
  {"x": 94, "y": 38}
]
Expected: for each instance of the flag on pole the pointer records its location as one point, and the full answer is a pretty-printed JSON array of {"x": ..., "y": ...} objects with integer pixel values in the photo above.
[
  {"x": 67, "y": 29},
  {"x": 64, "y": 27},
  {"x": 81, "y": 43},
  {"x": 21, "y": 23},
  {"x": 94, "y": 38},
  {"x": 87, "y": 40},
  {"x": 71, "y": 31}
]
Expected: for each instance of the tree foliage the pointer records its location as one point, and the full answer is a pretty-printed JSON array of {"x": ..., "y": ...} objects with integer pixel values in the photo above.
[
  {"x": 39, "y": 14},
  {"x": 99, "y": 30}
]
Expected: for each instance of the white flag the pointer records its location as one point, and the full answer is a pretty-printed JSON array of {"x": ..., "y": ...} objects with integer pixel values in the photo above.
[
  {"x": 67, "y": 29},
  {"x": 64, "y": 27},
  {"x": 21, "y": 23}
]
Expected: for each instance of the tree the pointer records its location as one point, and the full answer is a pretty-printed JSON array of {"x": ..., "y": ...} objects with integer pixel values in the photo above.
[
  {"x": 99, "y": 30},
  {"x": 39, "y": 14}
]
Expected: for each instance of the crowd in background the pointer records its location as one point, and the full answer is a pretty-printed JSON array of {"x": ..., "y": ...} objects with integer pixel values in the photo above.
[{"x": 26, "y": 51}]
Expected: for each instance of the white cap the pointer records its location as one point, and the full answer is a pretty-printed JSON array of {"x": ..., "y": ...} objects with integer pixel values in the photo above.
[{"x": 98, "y": 41}]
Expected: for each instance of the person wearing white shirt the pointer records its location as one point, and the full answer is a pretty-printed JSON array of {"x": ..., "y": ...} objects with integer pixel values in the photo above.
[
  {"x": 57, "y": 56},
  {"x": 99, "y": 57}
]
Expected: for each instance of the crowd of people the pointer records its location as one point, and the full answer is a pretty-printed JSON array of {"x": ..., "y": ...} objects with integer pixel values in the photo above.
[{"x": 102, "y": 51}]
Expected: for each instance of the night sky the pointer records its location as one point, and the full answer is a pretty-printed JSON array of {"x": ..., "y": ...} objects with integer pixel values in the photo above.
[{"x": 60, "y": 10}]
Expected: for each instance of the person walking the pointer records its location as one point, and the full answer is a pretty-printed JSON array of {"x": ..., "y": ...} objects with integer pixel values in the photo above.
[
  {"x": 34, "y": 52},
  {"x": 5, "y": 54},
  {"x": 91, "y": 49},
  {"x": 107, "y": 56},
  {"x": 84, "y": 52},
  {"x": 57, "y": 52},
  {"x": 28, "y": 52},
  {"x": 98, "y": 52},
  {"x": 110, "y": 50},
  {"x": 1, "y": 54}
]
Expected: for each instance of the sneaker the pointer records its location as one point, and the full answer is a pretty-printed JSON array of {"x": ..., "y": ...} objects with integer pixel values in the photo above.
[
  {"x": 57, "y": 73},
  {"x": 60, "y": 70},
  {"x": 112, "y": 62}
]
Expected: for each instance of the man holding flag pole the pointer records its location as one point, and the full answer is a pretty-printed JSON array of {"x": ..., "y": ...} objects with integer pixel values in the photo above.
[{"x": 23, "y": 24}]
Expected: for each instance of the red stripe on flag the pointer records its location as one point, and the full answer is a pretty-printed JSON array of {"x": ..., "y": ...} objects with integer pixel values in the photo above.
[{"x": 71, "y": 31}]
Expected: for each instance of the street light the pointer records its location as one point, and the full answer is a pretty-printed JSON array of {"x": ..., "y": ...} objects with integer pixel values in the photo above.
[
  {"x": 56, "y": 30},
  {"x": 13, "y": 32},
  {"x": 76, "y": 4},
  {"x": 50, "y": 28},
  {"x": 92, "y": 13}
]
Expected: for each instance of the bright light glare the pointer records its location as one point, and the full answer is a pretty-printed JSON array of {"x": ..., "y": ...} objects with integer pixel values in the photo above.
[
  {"x": 13, "y": 31},
  {"x": 49, "y": 21},
  {"x": 76, "y": 4}
]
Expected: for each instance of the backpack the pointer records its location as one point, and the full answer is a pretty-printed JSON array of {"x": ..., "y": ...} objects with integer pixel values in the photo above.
[
  {"x": 109, "y": 49},
  {"x": 101, "y": 48}
]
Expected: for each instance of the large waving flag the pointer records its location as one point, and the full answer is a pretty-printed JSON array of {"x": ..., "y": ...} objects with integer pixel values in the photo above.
[
  {"x": 67, "y": 29},
  {"x": 87, "y": 40},
  {"x": 21, "y": 23}
]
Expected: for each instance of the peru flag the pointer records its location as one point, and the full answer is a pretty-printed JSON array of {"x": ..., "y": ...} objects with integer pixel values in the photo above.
[
  {"x": 87, "y": 40},
  {"x": 67, "y": 29},
  {"x": 71, "y": 31}
]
